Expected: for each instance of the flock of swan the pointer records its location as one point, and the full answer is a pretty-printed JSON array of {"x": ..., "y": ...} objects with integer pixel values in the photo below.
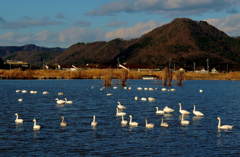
[
  {"x": 120, "y": 108},
  {"x": 35, "y": 126}
]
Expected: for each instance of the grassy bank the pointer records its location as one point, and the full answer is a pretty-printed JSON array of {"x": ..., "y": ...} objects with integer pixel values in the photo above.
[{"x": 99, "y": 73}]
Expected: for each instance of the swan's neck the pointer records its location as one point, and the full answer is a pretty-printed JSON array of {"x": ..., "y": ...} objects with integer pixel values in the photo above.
[
  {"x": 34, "y": 123},
  {"x": 62, "y": 119},
  {"x": 162, "y": 120},
  {"x": 117, "y": 110},
  {"x": 182, "y": 117},
  {"x": 194, "y": 108},
  {"x": 180, "y": 107},
  {"x": 219, "y": 124},
  {"x": 146, "y": 122},
  {"x": 93, "y": 118},
  {"x": 157, "y": 108},
  {"x": 17, "y": 117},
  {"x": 130, "y": 119},
  {"x": 122, "y": 118}
]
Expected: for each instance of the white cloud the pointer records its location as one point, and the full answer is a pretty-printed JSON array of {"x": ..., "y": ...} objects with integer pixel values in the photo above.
[
  {"x": 133, "y": 32},
  {"x": 168, "y": 7},
  {"x": 229, "y": 24},
  {"x": 116, "y": 23},
  {"x": 28, "y": 23},
  {"x": 82, "y": 23}
]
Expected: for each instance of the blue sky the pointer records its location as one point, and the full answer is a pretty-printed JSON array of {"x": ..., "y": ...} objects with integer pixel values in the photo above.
[{"x": 61, "y": 23}]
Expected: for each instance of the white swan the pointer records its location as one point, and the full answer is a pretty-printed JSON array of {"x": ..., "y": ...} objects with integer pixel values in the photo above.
[
  {"x": 45, "y": 92},
  {"x": 132, "y": 123},
  {"x": 60, "y": 93},
  {"x": 183, "y": 111},
  {"x": 63, "y": 123},
  {"x": 20, "y": 100},
  {"x": 92, "y": 87},
  {"x": 68, "y": 102},
  {"x": 164, "y": 124},
  {"x": 125, "y": 87},
  {"x": 33, "y": 92},
  {"x": 143, "y": 99},
  {"x": 120, "y": 113},
  {"x": 24, "y": 91},
  {"x": 168, "y": 110},
  {"x": 197, "y": 113},
  {"x": 149, "y": 125},
  {"x": 18, "y": 91},
  {"x": 172, "y": 89},
  {"x": 164, "y": 89},
  {"x": 184, "y": 122},
  {"x": 151, "y": 99},
  {"x": 156, "y": 89},
  {"x": 36, "y": 127},
  {"x": 59, "y": 101},
  {"x": 200, "y": 90},
  {"x": 139, "y": 88},
  {"x": 145, "y": 88},
  {"x": 115, "y": 87},
  {"x": 136, "y": 98},
  {"x": 109, "y": 94},
  {"x": 159, "y": 111},
  {"x": 223, "y": 126},
  {"x": 124, "y": 122},
  {"x": 150, "y": 89},
  {"x": 18, "y": 120},
  {"x": 94, "y": 123},
  {"x": 102, "y": 88},
  {"x": 120, "y": 106},
  {"x": 129, "y": 88}
]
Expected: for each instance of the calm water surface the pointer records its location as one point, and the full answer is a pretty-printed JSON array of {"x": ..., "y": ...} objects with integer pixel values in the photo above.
[{"x": 109, "y": 137}]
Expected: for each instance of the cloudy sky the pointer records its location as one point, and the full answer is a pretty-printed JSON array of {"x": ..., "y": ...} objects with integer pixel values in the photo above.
[{"x": 62, "y": 23}]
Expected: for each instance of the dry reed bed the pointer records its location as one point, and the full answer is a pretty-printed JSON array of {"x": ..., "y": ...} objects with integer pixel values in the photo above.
[{"x": 116, "y": 74}]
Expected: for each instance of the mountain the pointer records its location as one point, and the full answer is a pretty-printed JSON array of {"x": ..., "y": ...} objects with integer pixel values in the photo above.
[{"x": 180, "y": 42}]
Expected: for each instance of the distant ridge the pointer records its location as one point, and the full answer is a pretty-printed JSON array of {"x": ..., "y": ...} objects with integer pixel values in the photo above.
[{"x": 182, "y": 42}]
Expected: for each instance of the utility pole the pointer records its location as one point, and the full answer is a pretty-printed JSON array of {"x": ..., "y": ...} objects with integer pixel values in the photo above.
[
  {"x": 194, "y": 66},
  {"x": 169, "y": 63},
  {"x": 207, "y": 65}
]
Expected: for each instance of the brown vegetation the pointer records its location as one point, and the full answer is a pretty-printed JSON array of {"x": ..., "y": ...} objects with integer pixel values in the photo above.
[{"x": 115, "y": 74}]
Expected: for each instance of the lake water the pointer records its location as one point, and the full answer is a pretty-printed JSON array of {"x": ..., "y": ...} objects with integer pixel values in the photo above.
[{"x": 109, "y": 138}]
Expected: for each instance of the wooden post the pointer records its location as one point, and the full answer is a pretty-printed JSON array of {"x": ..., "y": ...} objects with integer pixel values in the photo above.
[
  {"x": 108, "y": 77},
  {"x": 164, "y": 77},
  {"x": 124, "y": 75}
]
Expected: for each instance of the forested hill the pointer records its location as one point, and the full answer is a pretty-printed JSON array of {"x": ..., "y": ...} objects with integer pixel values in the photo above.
[{"x": 183, "y": 40}]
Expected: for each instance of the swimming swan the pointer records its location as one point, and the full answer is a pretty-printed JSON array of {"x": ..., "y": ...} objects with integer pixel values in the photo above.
[
  {"x": 36, "y": 127},
  {"x": 132, "y": 123},
  {"x": 68, "y": 102},
  {"x": 197, "y": 113},
  {"x": 120, "y": 113},
  {"x": 183, "y": 111},
  {"x": 164, "y": 124},
  {"x": 63, "y": 123},
  {"x": 151, "y": 99},
  {"x": 149, "y": 125},
  {"x": 20, "y": 100},
  {"x": 159, "y": 111},
  {"x": 93, "y": 122},
  {"x": 120, "y": 106},
  {"x": 168, "y": 110},
  {"x": 184, "y": 122},
  {"x": 45, "y": 92},
  {"x": 223, "y": 126},
  {"x": 124, "y": 122},
  {"x": 136, "y": 98},
  {"x": 59, "y": 101},
  {"x": 18, "y": 120}
]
